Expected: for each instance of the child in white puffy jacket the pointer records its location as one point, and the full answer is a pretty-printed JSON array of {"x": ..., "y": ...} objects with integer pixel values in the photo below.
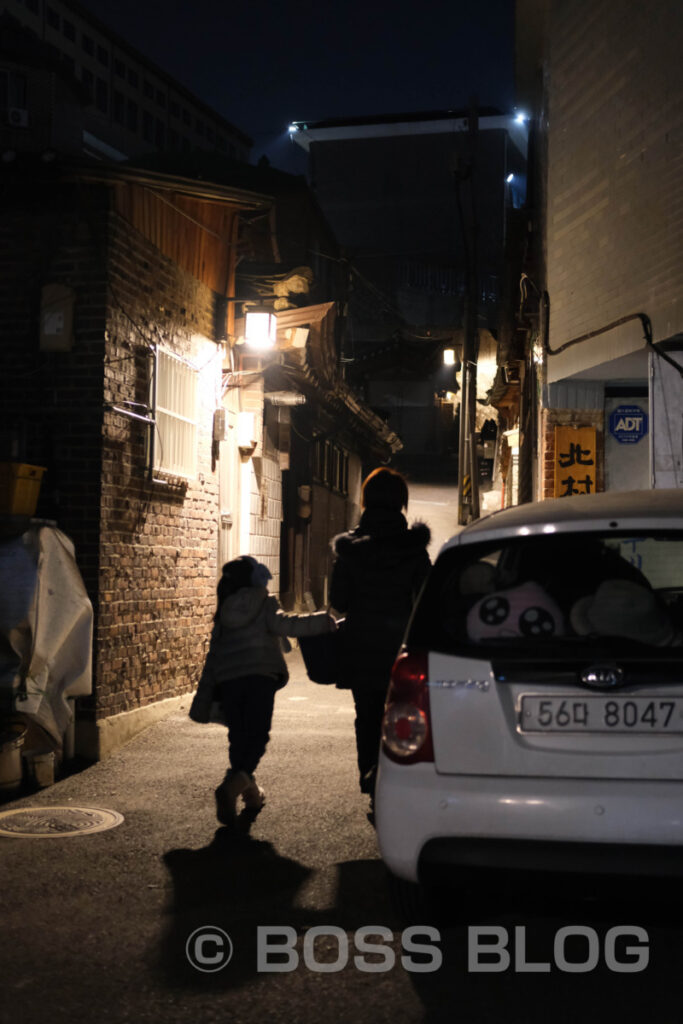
[{"x": 244, "y": 669}]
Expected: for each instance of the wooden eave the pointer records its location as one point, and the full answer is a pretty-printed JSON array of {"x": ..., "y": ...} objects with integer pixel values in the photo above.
[
  {"x": 193, "y": 223},
  {"x": 207, "y": 190}
]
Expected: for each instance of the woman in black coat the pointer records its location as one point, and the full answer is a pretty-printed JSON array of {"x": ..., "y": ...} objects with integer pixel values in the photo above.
[{"x": 379, "y": 569}]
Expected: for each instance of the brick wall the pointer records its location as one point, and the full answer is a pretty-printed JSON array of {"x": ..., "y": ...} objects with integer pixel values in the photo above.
[
  {"x": 615, "y": 216},
  {"x": 158, "y": 543},
  {"x": 51, "y": 402}
]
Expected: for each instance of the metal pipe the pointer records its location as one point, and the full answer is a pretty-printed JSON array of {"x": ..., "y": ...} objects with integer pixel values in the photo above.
[
  {"x": 133, "y": 415},
  {"x": 152, "y": 429}
]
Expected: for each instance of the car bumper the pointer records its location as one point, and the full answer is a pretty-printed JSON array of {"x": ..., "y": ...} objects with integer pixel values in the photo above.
[{"x": 425, "y": 819}]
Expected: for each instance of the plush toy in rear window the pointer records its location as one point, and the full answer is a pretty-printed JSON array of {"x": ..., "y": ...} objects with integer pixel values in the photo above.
[
  {"x": 625, "y": 609},
  {"x": 523, "y": 611}
]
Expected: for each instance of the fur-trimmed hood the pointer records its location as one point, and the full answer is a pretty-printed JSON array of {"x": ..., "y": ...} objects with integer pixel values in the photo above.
[{"x": 382, "y": 531}]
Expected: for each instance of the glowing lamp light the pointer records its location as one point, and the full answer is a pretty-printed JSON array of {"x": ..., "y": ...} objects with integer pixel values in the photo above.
[
  {"x": 449, "y": 357},
  {"x": 509, "y": 178},
  {"x": 520, "y": 118},
  {"x": 260, "y": 328}
]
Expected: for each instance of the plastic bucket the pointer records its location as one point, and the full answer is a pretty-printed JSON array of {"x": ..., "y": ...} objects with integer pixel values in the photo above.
[{"x": 11, "y": 741}]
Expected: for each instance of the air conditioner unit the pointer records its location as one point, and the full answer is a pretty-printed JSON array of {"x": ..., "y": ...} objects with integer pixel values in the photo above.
[{"x": 17, "y": 117}]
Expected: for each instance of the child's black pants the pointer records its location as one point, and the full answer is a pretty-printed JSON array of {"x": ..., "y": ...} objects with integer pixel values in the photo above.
[{"x": 247, "y": 705}]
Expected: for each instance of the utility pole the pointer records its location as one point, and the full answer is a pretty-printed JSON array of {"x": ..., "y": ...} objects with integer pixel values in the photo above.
[{"x": 468, "y": 469}]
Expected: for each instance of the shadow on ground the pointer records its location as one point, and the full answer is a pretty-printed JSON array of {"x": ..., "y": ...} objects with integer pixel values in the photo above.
[{"x": 238, "y": 884}]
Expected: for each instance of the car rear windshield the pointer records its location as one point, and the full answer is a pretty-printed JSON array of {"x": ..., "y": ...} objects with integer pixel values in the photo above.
[{"x": 554, "y": 595}]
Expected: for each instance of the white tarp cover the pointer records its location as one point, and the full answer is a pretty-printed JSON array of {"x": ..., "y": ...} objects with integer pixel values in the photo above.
[{"x": 46, "y": 625}]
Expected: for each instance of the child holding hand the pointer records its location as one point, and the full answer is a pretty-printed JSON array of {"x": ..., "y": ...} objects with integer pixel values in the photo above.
[{"x": 244, "y": 669}]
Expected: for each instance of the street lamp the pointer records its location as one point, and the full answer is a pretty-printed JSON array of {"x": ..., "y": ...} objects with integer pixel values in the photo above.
[{"x": 260, "y": 327}]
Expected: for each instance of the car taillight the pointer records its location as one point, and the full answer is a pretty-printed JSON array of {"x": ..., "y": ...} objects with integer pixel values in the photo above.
[{"x": 406, "y": 727}]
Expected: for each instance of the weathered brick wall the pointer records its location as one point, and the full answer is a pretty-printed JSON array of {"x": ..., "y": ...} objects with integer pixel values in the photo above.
[
  {"x": 159, "y": 539},
  {"x": 552, "y": 418},
  {"x": 51, "y": 402},
  {"x": 615, "y": 219}
]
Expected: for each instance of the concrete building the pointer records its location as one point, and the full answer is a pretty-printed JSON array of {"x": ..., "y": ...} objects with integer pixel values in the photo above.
[
  {"x": 601, "y": 301},
  {"x": 132, "y": 107}
]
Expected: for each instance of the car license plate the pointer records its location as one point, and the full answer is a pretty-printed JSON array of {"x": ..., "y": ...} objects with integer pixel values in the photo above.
[{"x": 601, "y": 714}]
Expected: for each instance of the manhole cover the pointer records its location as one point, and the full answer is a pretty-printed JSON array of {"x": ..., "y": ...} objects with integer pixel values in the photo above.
[{"x": 56, "y": 822}]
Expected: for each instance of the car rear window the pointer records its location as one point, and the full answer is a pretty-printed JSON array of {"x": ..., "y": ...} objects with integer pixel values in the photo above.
[{"x": 555, "y": 593}]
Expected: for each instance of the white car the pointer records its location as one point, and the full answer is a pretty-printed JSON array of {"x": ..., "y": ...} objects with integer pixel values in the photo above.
[{"x": 535, "y": 714}]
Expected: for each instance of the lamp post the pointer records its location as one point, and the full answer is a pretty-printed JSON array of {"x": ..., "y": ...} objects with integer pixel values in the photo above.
[{"x": 468, "y": 480}]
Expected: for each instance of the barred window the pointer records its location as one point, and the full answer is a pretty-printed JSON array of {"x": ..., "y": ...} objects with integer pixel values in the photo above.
[{"x": 175, "y": 448}]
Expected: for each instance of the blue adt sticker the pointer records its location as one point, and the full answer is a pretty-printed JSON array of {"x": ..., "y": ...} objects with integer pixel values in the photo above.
[{"x": 628, "y": 423}]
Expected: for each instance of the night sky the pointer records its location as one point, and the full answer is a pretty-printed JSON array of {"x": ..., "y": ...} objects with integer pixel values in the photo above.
[{"x": 265, "y": 64}]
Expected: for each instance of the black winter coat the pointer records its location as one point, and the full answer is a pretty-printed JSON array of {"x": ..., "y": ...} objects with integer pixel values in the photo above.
[{"x": 379, "y": 570}]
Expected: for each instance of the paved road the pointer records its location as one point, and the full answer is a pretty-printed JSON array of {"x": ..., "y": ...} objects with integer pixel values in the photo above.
[{"x": 94, "y": 928}]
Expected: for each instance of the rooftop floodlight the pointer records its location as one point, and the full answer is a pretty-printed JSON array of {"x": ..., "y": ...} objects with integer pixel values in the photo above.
[
  {"x": 520, "y": 118},
  {"x": 260, "y": 327},
  {"x": 509, "y": 178}
]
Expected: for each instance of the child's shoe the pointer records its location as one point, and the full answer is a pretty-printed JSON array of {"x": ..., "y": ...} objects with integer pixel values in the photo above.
[
  {"x": 253, "y": 796},
  {"x": 226, "y": 795}
]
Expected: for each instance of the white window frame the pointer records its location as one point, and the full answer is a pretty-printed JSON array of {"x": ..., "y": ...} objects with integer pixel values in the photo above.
[{"x": 175, "y": 401}]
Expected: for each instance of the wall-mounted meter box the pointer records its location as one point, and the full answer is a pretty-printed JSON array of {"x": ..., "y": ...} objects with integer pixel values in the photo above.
[
  {"x": 57, "y": 318},
  {"x": 220, "y": 425}
]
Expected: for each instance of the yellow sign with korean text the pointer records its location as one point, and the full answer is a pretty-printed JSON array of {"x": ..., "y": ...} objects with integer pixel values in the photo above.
[{"x": 575, "y": 461}]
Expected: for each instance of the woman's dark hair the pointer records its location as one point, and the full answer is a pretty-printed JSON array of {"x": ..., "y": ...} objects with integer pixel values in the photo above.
[
  {"x": 235, "y": 575},
  {"x": 384, "y": 488}
]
